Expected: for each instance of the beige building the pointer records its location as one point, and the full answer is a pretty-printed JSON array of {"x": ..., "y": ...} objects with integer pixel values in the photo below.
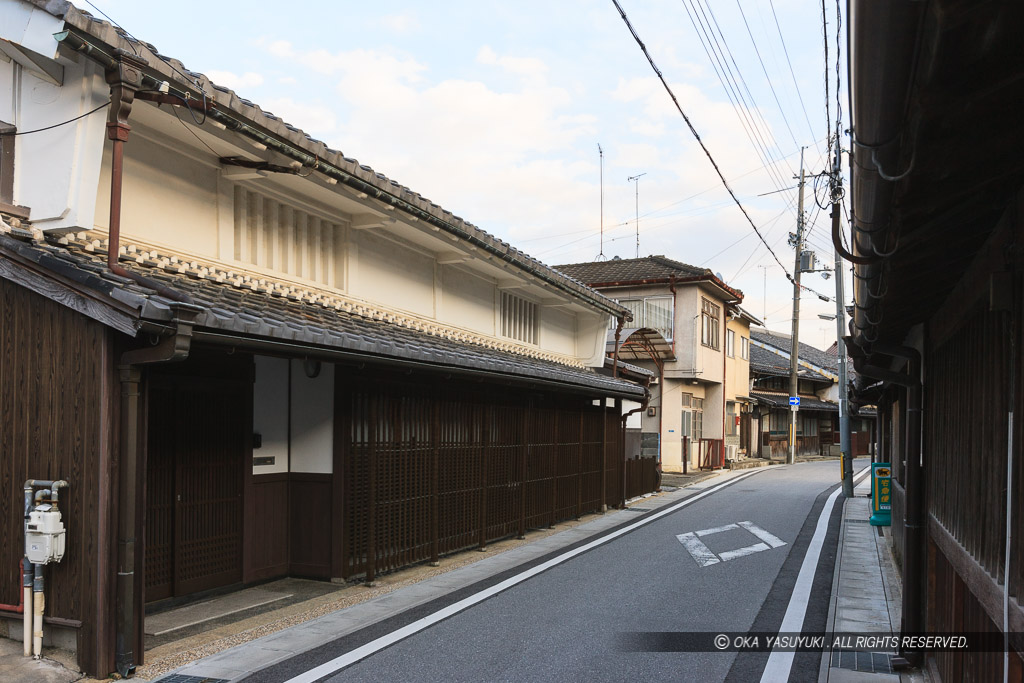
[{"x": 689, "y": 329}]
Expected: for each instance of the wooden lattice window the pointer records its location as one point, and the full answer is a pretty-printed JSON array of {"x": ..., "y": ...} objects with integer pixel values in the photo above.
[{"x": 519, "y": 319}]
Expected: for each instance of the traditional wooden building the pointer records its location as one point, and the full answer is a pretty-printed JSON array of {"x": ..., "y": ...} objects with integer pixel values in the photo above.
[
  {"x": 937, "y": 211},
  {"x": 251, "y": 356},
  {"x": 818, "y": 387}
]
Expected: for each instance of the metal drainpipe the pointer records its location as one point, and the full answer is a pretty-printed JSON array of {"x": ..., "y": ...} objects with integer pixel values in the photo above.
[
  {"x": 171, "y": 349},
  {"x": 27, "y": 574},
  {"x": 615, "y": 357},
  {"x": 124, "y": 78},
  {"x": 913, "y": 524}
]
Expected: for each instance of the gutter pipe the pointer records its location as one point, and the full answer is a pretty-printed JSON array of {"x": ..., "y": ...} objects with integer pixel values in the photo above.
[
  {"x": 883, "y": 39},
  {"x": 504, "y": 252}
]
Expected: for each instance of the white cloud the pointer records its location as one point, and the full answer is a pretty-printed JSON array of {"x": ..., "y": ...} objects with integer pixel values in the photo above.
[
  {"x": 526, "y": 67},
  {"x": 315, "y": 119},
  {"x": 489, "y": 145},
  {"x": 404, "y": 23},
  {"x": 235, "y": 81}
]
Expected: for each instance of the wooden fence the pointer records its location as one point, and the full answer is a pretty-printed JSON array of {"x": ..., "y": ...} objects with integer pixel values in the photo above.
[
  {"x": 642, "y": 476},
  {"x": 429, "y": 472}
]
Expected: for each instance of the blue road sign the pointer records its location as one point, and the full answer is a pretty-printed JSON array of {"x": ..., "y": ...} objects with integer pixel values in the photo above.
[{"x": 794, "y": 400}]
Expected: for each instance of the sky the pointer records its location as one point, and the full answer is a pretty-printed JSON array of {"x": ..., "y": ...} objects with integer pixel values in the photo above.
[{"x": 496, "y": 110}]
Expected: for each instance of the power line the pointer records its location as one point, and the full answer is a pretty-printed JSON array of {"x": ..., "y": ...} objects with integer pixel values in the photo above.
[
  {"x": 57, "y": 125},
  {"x": 791, "y": 72},
  {"x": 715, "y": 53},
  {"x": 766, "y": 76}
]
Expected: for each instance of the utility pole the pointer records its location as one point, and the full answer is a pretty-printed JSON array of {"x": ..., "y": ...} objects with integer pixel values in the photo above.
[
  {"x": 795, "y": 349},
  {"x": 845, "y": 448},
  {"x": 635, "y": 179}
]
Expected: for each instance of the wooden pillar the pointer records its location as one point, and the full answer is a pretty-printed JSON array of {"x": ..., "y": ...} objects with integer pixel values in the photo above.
[
  {"x": 371, "y": 520},
  {"x": 486, "y": 413},
  {"x": 435, "y": 520},
  {"x": 604, "y": 456},
  {"x": 525, "y": 448},
  {"x": 579, "y": 468}
]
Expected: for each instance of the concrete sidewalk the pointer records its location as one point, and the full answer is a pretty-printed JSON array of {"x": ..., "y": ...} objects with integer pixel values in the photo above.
[
  {"x": 259, "y": 653},
  {"x": 866, "y": 597}
]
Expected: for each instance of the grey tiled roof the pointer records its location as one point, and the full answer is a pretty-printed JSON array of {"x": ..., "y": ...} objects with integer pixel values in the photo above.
[
  {"x": 262, "y": 315},
  {"x": 767, "y": 362},
  {"x": 781, "y": 400},
  {"x": 631, "y": 270},
  {"x": 227, "y": 101},
  {"x": 807, "y": 352}
]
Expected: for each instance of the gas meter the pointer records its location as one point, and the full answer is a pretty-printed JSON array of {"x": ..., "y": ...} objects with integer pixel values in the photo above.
[{"x": 44, "y": 535}]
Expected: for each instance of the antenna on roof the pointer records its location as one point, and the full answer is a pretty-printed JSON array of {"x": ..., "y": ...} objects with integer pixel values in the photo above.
[
  {"x": 635, "y": 179},
  {"x": 600, "y": 153}
]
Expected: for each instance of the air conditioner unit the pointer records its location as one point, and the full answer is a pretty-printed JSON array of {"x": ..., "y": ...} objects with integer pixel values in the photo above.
[{"x": 732, "y": 452}]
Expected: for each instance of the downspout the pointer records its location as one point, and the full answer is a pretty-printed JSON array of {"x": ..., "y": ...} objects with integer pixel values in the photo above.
[
  {"x": 643, "y": 406},
  {"x": 615, "y": 357},
  {"x": 176, "y": 347},
  {"x": 125, "y": 78},
  {"x": 913, "y": 538}
]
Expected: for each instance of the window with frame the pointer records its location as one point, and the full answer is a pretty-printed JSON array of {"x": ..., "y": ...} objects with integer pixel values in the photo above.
[
  {"x": 744, "y": 348},
  {"x": 656, "y": 312},
  {"x": 730, "y": 343},
  {"x": 519, "y": 319},
  {"x": 698, "y": 419},
  {"x": 731, "y": 428},
  {"x": 710, "y": 314}
]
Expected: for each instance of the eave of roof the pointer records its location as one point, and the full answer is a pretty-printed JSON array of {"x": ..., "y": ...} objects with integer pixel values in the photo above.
[
  {"x": 255, "y": 314},
  {"x": 249, "y": 119},
  {"x": 781, "y": 400}
]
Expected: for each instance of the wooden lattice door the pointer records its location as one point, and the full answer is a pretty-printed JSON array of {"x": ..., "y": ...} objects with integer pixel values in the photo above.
[{"x": 194, "y": 485}]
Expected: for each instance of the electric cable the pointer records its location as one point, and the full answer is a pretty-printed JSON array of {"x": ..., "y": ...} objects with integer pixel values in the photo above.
[
  {"x": 56, "y": 125},
  {"x": 693, "y": 130}
]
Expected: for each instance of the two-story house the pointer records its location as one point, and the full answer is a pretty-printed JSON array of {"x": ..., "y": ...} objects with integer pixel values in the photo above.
[
  {"x": 251, "y": 356},
  {"x": 817, "y": 424},
  {"x": 688, "y": 327}
]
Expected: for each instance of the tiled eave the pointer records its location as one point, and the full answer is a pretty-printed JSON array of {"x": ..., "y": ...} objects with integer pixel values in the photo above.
[{"x": 259, "y": 313}]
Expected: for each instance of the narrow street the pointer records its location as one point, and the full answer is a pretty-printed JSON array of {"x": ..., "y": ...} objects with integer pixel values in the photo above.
[{"x": 724, "y": 559}]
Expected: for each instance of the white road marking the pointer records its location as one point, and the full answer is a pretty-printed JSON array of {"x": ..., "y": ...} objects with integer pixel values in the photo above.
[
  {"x": 780, "y": 663},
  {"x": 716, "y": 530},
  {"x": 415, "y": 627},
  {"x": 770, "y": 539},
  {"x": 700, "y": 552},
  {"x": 704, "y": 555},
  {"x": 743, "y": 552}
]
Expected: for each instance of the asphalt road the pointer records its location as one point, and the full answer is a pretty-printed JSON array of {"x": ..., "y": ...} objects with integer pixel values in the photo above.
[{"x": 592, "y": 617}]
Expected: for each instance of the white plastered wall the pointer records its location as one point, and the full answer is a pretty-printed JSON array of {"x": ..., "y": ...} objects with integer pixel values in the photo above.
[
  {"x": 56, "y": 171},
  {"x": 156, "y": 179},
  {"x": 270, "y": 413},
  {"x": 385, "y": 271},
  {"x": 312, "y": 419}
]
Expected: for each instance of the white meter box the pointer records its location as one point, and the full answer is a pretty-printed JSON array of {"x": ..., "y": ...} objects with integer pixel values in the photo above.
[{"x": 44, "y": 535}]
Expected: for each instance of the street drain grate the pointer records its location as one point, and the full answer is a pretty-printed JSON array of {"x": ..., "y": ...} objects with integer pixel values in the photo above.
[
  {"x": 182, "y": 678},
  {"x": 865, "y": 662},
  {"x": 861, "y": 521}
]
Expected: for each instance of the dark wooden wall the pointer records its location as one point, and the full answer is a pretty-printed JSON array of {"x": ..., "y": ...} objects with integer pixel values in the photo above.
[
  {"x": 427, "y": 469},
  {"x": 972, "y": 381},
  {"x": 57, "y": 402}
]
